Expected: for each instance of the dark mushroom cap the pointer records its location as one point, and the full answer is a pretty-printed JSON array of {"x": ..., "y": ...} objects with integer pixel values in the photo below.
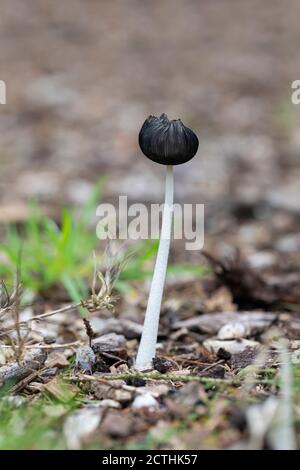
[{"x": 167, "y": 142}]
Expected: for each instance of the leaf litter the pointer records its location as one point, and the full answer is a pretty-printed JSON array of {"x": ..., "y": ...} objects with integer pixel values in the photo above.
[{"x": 197, "y": 386}]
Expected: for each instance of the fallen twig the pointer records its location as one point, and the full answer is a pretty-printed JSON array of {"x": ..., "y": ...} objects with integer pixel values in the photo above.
[
  {"x": 67, "y": 308},
  {"x": 24, "y": 382},
  {"x": 54, "y": 345},
  {"x": 166, "y": 377},
  {"x": 15, "y": 371},
  {"x": 211, "y": 366}
]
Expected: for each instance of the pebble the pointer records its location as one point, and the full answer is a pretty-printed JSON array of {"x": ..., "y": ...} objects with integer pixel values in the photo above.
[
  {"x": 231, "y": 346},
  {"x": 261, "y": 260},
  {"x": 233, "y": 331},
  {"x": 288, "y": 244},
  {"x": 146, "y": 400}
]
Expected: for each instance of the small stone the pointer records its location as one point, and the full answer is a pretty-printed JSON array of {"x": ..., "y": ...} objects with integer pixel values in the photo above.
[
  {"x": 261, "y": 260},
  {"x": 108, "y": 403},
  {"x": 80, "y": 425},
  {"x": 117, "y": 425},
  {"x": 109, "y": 343},
  {"x": 231, "y": 346},
  {"x": 85, "y": 359},
  {"x": 211, "y": 323},
  {"x": 161, "y": 364},
  {"x": 285, "y": 198},
  {"x": 105, "y": 391},
  {"x": 49, "y": 339},
  {"x": 51, "y": 372},
  {"x": 146, "y": 400},
  {"x": 233, "y": 330},
  {"x": 222, "y": 354},
  {"x": 288, "y": 244},
  {"x": 136, "y": 382},
  {"x": 122, "y": 396}
]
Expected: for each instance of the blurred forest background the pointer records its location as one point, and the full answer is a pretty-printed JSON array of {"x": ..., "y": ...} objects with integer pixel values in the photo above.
[{"x": 82, "y": 76}]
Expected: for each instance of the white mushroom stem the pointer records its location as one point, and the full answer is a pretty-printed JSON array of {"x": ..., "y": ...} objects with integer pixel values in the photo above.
[{"x": 148, "y": 342}]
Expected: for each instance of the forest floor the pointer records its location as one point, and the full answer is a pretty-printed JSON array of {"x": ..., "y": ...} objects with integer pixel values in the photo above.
[
  {"x": 226, "y": 373},
  {"x": 227, "y": 368}
]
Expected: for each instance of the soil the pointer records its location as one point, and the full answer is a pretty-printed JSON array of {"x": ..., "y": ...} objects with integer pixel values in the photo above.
[{"x": 81, "y": 78}]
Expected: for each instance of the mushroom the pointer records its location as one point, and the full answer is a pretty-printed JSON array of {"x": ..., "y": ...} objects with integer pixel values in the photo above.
[{"x": 168, "y": 143}]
